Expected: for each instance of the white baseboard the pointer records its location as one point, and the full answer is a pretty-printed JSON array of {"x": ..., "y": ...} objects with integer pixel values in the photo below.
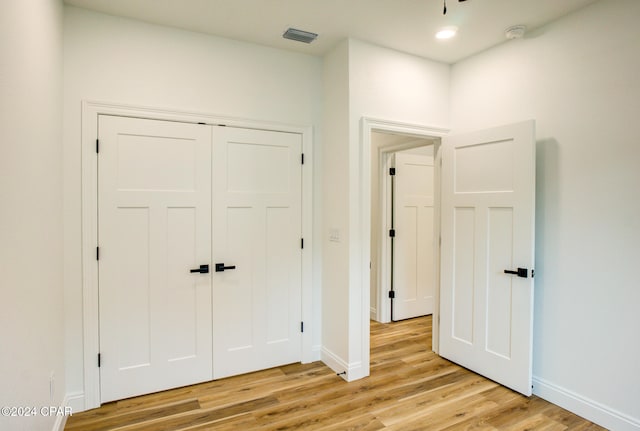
[
  {"x": 334, "y": 362},
  {"x": 585, "y": 407},
  {"x": 348, "y": 371},
  {"x": 373, "y": 313},
  {"x": 356, "y": 371},
  {"x": 61, "y": 420},
  {"x": 75, "y": 400},
  {"x": 60, "y": 423}
]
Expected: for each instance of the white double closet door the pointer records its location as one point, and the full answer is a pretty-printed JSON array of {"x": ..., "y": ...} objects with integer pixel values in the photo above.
[{"x": 176, "y": 199}]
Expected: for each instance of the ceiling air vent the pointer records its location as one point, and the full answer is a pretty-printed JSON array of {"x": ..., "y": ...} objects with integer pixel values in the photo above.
[{"x": 299, "y": 35}]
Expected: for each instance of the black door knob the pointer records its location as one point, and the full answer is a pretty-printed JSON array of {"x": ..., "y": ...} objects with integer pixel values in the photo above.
[
  {"x": 521, "y": 272},
  {"x": 204, "y": 269},
  {"x": 220, "y": 267}
]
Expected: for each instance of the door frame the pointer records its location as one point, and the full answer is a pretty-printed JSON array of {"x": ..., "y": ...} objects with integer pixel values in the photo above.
[
  {"x": 368, "y": 125},
  {"x": 383, "y": 265},
  {"x": 91, "y": 110}
]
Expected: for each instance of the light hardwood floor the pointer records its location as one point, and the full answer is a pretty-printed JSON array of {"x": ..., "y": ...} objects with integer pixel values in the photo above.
[{"x": 410, "y": 388}]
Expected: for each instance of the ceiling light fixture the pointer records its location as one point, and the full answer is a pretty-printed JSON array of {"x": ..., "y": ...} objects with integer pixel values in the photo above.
[
  {"x": 299, "y": 35},
  {"x": 446, "y": 33}
]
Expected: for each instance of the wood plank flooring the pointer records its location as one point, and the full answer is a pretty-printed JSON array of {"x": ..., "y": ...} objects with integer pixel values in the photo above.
[{"x": 410, "y": 388}]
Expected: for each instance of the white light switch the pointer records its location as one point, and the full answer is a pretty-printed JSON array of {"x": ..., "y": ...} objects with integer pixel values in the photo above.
[{"x": 334, "y": 235}]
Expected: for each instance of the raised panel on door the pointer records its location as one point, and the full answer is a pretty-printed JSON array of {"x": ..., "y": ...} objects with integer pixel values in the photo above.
[
  {"x": 488, "y": 192},
  {"x": 154, "y": 226},
  {"x": 463, "y": 270},
  {"x": 413, "y": 271},
  {"x": 257, "y": 229}
]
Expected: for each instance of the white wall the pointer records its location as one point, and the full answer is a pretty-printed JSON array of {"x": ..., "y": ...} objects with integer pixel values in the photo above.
[
  {"x": 392, "y": 85},
  {"x": 363, "y": 80},
  {"x": 128, "y": 62},
  {"x": 335, "y": 206},
  {"x": 31, "y": 286},
  {"x": 578, "y": 78}
]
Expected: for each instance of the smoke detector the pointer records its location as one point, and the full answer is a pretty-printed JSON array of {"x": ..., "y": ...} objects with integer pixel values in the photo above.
[{"x": 515, "y": 32}]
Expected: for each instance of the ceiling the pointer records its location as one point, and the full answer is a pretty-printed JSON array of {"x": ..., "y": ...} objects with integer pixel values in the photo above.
[{"x": 403, "y": 25}]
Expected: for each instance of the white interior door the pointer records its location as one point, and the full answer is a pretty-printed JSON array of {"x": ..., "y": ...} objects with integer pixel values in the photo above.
[
  {"x": 413, "y": 260},
  {"x": 488, "y": 197},
  {"x": 154, "y": 191},
  {"x": 257, "y": 230}
]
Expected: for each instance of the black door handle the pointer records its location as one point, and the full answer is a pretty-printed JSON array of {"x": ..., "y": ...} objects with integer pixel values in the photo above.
[
  {"x": 204, "y": 269},
  {"x": 220, "y": 267},
  {"x": 521, "y": 272}
]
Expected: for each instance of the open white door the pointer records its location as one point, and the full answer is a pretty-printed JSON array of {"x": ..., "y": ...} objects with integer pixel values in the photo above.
[
  {"x": 488, "y": 198},
  {"x": 413, "y": 263}
]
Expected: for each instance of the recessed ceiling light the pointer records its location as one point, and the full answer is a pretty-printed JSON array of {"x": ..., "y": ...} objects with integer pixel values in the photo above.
[
  {"x": 446, "y": 33},
  {"x": 299, "y": 35}
]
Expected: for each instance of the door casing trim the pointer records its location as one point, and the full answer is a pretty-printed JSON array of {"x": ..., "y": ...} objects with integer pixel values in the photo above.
[
  {"x": 91, "y": 110},
  {"x": 368, "y": 125}
]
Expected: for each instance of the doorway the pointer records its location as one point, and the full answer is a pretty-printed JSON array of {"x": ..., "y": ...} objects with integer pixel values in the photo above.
[
  {"x": 368, "y": 126},
  {"x": 396, "y": 263},
  {"x": 402, "y": 226},
  {"x": 386, "y": 141}
]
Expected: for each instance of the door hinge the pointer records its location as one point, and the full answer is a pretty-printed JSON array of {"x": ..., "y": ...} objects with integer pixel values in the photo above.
[
  {"x": 392, "y": 233},
  {"x": 301, "y": 242},
  {"x": 97, "y": 253},
  {"x": 302, "y": 159},
  {"x": 97, "y": 146},
  {"x": 99, "y": 360},
  {"x": 392, "y": 294},
  {"x": 392, "y": 171},
  {"x": 301, "y": 326}
]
